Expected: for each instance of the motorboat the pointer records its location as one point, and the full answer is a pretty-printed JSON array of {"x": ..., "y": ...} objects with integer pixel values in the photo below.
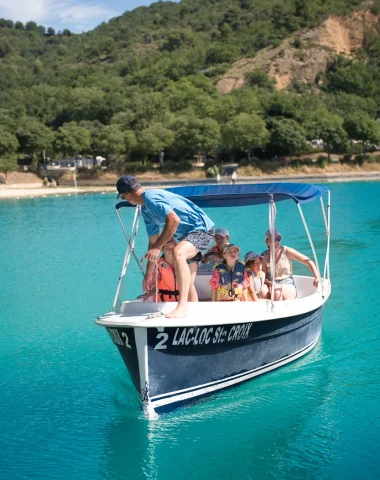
[{"x": 174, "y": 361}]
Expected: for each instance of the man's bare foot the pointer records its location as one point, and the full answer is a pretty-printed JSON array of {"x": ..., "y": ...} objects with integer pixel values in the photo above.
[{"x": 177, "y": 313}]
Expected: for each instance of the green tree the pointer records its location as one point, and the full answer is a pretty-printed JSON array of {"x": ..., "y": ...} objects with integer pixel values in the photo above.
[
  {"x": 105, "y": 141},
  {"x": 194, "y": 135},
  {"x": 259, "y": 78},
  {"x": 279, "y": 104},
  {"x": 33, "y": 137},
  {"x": 66, "y": 32},
  {"x": 6, "y": 47},
  {"x": 50, "y": 31},
  {"x": 287, "y": 136},
  {"x": 19, "y": 26},
  {"x": 96, "y": 131},
  {"x": 8, "y": 163},
  {"x": 349, "y": 76},
  {"x": 360, "y": 126},
  {"x": 244, "y": 132},
  {"x": 8, "y": 147},
  {"x": 38, "y": 66},
  {"x": 82, "y": 104},
  {"x": 72, "y": 140},
  {"x": 115, "y": 142},
  {"x": 155, "y": 138},
  {"x": 329, "y": 128},
  {"x": 31, "y": 27}
]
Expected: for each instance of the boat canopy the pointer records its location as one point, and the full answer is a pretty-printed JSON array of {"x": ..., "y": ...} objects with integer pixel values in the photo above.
[{"x": 245, "y": 194}]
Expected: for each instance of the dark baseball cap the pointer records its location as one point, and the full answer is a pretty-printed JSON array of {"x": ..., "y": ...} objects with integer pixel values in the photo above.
[{"x": 126, "y": 184}]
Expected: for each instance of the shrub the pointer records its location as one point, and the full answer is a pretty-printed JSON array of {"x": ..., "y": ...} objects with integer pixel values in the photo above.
[
  {"x": 209, "y": 162},
  {"x": 244, "y": 162},
  {"x": 297, "y": 43},
  {"x": 346, "y": 159},
  {"x": 177, "y": 167},
  {"x": 356, "y": 148},
  {"x": 322, "y": 161},
  {"x": 371, "y": 159},
  {"x": 88, "y": 173},
  {"x": 212, "y": 172},
  {"x": 307, "y": 161},
  {"x": 377, "y": 158},
  {"x": 359, "y": 159},
  {"x": 216, "y": 70},
  {"x": 135, "y": 167}
]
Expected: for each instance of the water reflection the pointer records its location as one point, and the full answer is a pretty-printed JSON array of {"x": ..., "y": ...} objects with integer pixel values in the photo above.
[{"x": 240, "y": 433}]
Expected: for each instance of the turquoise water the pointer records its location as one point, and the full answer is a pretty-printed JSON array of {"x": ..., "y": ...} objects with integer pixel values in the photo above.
[{"x": 68, "y": 409}]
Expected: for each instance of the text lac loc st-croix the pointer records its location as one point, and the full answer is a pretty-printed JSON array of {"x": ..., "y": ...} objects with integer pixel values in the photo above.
[{"x": 174, "y": 361}]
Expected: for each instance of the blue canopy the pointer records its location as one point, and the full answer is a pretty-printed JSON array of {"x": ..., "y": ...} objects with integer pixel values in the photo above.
[{"x": 246, "y": 194}]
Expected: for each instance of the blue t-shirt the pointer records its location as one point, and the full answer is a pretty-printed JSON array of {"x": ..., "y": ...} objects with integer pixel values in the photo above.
[{"x": 159, "y": 203}]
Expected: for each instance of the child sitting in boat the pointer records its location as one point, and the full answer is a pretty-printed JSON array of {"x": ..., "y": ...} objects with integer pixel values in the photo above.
[
  {"x": 229, "y": 282},
  {"x": 167, "y": 282},
  {"x": 215, "y": 254},
  {"x": 254, "y": 267}
]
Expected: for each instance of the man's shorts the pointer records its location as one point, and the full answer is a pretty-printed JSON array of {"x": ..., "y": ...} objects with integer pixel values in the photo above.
[{"x": 201, "y": 240}]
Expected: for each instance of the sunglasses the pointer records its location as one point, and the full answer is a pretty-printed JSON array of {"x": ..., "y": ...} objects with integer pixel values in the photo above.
[{"x": 277, "y": 239}]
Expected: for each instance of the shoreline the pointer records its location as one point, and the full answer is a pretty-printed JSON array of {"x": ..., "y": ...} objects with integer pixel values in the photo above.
[{"x": 35, "y": 190}]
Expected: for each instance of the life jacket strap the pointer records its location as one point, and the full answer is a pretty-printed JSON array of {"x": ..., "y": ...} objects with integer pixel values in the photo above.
[{"x": 169, "y": 293}]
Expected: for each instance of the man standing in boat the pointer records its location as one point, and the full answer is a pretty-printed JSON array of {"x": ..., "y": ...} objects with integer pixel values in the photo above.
[{"x": 169, "y": 215}]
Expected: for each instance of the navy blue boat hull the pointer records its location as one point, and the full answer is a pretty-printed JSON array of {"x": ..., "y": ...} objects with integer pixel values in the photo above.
[{"x": 183, "y": 364}]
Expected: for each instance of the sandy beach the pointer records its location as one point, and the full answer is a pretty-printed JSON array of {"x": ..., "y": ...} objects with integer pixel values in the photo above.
[{"x": 32, "y": 190}]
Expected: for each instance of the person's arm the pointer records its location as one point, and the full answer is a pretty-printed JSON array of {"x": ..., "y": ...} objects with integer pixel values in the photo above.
[
  {"x": 244, "y": 295},
  {"x": 149, "y": 266},
  {"x": 213, "y": 295},
  {"x": 300, "y": 257},
  {"x": 171, "y": 224},
  {"x": 152, "y": 286},
  {"x": 251, "y": 289},
  {"x": 214, "y": 284},
  {"x": 266, "y": 281}
]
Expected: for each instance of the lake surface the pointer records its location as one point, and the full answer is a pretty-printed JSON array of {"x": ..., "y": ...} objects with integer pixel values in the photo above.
[{"x": 68, "y": 408}]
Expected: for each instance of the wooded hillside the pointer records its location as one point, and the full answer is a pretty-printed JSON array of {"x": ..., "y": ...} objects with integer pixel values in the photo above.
[{"x": 146, "y": 81}]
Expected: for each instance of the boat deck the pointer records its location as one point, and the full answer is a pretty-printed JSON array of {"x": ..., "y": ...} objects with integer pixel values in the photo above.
[{"x": 136, "y": 313}]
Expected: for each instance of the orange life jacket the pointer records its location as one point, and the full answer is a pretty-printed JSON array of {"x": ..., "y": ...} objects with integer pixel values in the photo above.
[{"x": 167, "y": 284}]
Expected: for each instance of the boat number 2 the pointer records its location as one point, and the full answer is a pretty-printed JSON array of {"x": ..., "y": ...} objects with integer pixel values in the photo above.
[{"x": 163, "y": 337}]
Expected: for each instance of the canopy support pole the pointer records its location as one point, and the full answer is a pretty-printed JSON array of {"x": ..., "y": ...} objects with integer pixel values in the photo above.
[
  {"x": 129, "y": 250},
  {"x": 129, "y": 242},
  {"x": 309, "y": 237},
  {"x": 326, "y": 269},
  {"x": 272, "y": 222}
]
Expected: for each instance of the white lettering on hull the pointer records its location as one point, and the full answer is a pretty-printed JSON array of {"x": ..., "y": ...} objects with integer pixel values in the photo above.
[
  {"x": 116, "y": 338},
  {"x": 184, "y": 336}
]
